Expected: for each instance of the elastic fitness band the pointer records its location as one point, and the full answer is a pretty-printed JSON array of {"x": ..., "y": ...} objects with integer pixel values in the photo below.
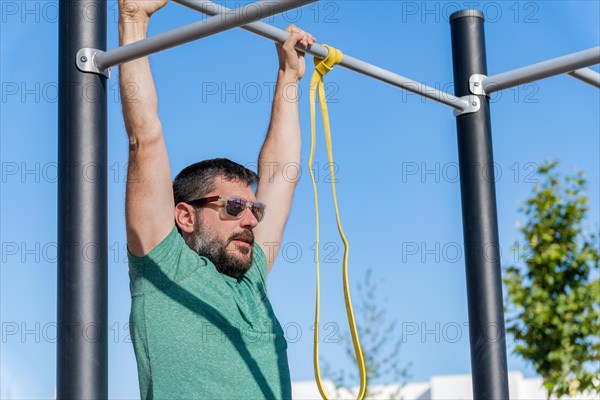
[{"x": 322, "y": 67}]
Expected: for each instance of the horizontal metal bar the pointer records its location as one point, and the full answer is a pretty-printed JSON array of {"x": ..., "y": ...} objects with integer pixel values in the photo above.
[
  {"x": 231, "y": 19},
  {"x": 542, "y": 70},
  {"x": 587, "y": 75},
  {"x": 316, "y": 50}
]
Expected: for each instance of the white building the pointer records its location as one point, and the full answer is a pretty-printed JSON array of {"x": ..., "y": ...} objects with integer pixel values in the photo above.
[{"x": 455, "y": 387}]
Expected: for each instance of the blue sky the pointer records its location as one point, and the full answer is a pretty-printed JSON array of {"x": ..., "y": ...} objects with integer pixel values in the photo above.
[{"x": 214, "y": 98}]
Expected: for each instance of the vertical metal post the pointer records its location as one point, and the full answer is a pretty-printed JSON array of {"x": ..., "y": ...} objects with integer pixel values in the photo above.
[
  {"x": 480, "y": 225},
  {"x": 82, "y": 355}
]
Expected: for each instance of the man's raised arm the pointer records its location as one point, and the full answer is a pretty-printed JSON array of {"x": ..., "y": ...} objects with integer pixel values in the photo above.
[
  {"x": 279, "y": 159},
  {"x": 149, "y": 200}
]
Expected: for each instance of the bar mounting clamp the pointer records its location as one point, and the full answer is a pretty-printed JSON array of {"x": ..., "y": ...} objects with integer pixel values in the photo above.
[
  {"x": 476, "y": 84},
  {"x": 473, "y": 105},
  {"x": 86, "y": 62}
]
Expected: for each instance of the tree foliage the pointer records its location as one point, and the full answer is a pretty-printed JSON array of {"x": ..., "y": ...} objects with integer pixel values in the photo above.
[
  {"x": 380, "y": 343},
  {"x": 553, "y": 299}
]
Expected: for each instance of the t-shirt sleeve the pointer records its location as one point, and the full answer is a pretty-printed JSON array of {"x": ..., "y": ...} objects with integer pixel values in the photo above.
[{"x": 169, "y": 261}]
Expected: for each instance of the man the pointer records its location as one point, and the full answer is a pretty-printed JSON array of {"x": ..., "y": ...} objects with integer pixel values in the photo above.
[{"x": 201, "y": 321}]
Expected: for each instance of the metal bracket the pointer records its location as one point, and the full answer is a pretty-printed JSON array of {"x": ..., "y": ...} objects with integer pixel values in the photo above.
[
  {"x": 476, "y": 84},
  {"x": 473, "y": 105},
  {"x": 86, "y": 63}
]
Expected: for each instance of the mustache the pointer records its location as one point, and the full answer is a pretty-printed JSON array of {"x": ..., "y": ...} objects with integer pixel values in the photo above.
[{"x": 244, "y": 235}]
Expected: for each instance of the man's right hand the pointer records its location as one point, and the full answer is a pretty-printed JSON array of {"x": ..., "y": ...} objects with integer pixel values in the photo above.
[{"x": 138, "y": 10}]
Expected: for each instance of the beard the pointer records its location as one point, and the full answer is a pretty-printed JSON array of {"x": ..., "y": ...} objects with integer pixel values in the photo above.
[{"x": 232, "y": 263}]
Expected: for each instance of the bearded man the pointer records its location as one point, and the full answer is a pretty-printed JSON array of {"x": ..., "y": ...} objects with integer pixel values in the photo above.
[{"x": 201, "y": 321}]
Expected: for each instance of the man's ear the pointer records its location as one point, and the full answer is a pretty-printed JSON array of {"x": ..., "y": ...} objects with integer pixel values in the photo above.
[{"x": 185, "y": 217}]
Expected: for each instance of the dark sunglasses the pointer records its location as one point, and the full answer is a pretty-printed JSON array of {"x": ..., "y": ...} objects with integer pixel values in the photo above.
[{"x": 234, "y": 206}]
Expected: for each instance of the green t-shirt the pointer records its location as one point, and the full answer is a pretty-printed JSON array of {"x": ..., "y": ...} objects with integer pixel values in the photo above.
[{"x": 200, "y": 334}]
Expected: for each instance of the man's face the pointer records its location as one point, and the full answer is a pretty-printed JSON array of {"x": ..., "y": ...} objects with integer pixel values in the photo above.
[{"x": 225, "y": 240}]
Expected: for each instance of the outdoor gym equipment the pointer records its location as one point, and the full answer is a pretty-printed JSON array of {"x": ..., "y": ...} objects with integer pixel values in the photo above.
[{"x": 82, "y": 365}]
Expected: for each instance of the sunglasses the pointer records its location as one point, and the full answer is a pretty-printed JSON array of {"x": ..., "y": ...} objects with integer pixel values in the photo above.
[{"x": 234, "y": 206}]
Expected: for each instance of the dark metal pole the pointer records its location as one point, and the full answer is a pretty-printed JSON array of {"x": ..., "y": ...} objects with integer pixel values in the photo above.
[
  {"x": 480, "y": 225},
  {"x": 82, "y": 356}
]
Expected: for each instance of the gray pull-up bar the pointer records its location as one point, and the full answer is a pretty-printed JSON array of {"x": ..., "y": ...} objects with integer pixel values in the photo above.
[
  {"x": 228, "y": 20},
  {"x": 545, "y": 69},
  {"x": 587, "y": 75},
  {"x": 316, "y": 50}
]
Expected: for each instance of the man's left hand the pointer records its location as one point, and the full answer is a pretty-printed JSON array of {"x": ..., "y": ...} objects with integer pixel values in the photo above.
[{"x": 290, "y": 59}]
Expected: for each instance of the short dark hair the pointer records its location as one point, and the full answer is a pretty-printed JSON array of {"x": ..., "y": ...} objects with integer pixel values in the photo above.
[{"x": 199, "y": 179}]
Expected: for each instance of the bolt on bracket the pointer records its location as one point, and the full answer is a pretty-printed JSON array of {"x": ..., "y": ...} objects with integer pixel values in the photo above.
[
  {"x": 473, "y": 105},
  {"x": 85, "y": 61},
  {"x": 476, "y": 84}
]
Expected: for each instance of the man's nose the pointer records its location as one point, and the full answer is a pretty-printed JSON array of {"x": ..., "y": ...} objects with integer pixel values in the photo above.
[{"x": 248, "y": 219}]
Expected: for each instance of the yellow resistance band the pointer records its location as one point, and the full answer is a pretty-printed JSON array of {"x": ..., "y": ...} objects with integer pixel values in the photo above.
[{"x": 322, "y": 67}]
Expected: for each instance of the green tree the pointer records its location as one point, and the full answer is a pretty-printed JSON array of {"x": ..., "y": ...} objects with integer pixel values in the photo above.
[
  {"x": 380, "y": 344},
  {"x": 552, "y": 300}
]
